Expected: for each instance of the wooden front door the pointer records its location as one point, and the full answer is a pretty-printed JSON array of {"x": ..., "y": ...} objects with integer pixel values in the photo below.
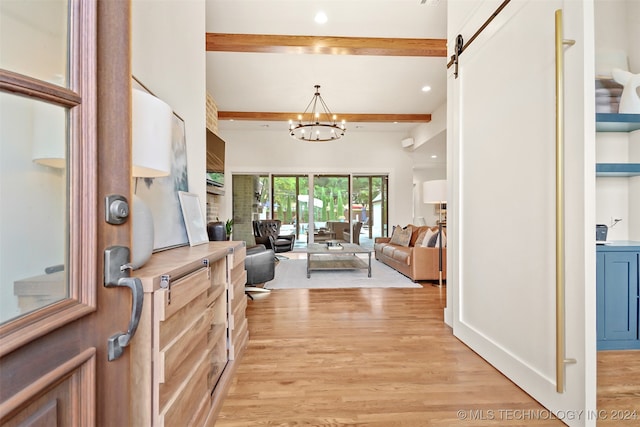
[{"x": 65, "y": 145}]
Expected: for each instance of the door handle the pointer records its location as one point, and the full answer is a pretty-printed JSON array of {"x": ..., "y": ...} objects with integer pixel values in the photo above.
[
  {"x": 117, "y": 342},
  {"x": 561, "y": 359}
]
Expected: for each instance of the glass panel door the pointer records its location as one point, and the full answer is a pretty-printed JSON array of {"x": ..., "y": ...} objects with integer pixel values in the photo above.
[
  {"x": 369, "y": 206},
  {"x": 36, "y": 51},
  {"x": 290, "y": 196},
  {"x": 331, "y": 201}
]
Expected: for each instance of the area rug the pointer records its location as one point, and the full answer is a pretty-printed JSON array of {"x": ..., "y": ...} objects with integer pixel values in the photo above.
[{"x": 292, "y": 274}]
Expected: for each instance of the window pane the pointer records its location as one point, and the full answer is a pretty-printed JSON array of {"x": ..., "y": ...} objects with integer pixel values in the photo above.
[
  {"x": 33, "y": 213},
  {"x": 33, "y": 38}
]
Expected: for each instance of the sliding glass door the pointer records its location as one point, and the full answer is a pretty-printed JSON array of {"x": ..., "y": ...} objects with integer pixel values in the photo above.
[
  {"x": 338, "y": 202},
  {"x": 369, "y": 206},
  {"x": 290, "y": 196}
]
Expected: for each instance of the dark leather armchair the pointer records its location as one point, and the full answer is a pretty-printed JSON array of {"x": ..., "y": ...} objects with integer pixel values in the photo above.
[
  {"x": 267, "y": 233},
  {"x": 260, "y": 264}
]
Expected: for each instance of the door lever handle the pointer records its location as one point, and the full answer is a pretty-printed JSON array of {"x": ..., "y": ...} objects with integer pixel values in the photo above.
[{"x": 117, "y": 342}]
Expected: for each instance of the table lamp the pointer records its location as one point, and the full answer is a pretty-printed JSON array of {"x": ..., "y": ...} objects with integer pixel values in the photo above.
[
  {"x": 435, "y": 192},
  {"x": 151, "y": 158}
]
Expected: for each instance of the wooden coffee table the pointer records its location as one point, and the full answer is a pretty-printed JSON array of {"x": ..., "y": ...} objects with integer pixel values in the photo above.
[{"x": 320, "y": 257}]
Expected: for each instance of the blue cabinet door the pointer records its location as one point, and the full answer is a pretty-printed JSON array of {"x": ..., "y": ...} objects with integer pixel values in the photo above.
[
  {"x": 617, "y": 299},
  {"x": 600, "y": 312}
]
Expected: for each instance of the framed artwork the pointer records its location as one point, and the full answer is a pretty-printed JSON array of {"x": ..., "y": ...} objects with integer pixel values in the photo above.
[
  {"x": 161, "y": 194},
  {"x": 193, "y": 218}
]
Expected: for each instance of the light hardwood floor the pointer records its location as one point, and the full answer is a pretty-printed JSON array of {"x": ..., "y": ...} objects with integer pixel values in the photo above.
[{"x": 382, "y": 357}]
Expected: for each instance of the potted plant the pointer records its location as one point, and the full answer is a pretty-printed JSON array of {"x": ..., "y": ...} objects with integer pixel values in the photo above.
[{"x": 229, "y": 228}]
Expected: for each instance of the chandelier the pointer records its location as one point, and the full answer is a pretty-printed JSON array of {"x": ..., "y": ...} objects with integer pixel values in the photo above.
[{"x": 317, "y": 124}]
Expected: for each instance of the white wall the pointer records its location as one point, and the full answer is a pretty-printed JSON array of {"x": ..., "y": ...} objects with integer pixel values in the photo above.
[
  {"x": 273, "y": 151},
  {"x": 168, "y": 57},
  {"x": 612, "y": 193},
  {"x": 427, "y": 132},
  {"x": 426, "y": 168},
  {"x": 617, "y": 27}
]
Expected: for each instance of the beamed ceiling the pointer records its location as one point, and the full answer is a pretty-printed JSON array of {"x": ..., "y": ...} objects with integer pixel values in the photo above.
[{"x": 371, "y": 60}]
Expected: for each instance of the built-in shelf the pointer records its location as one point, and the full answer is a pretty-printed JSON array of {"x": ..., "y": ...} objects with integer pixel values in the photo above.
[
  {"x": 214, "y": 189},
  {"x": 617, "y": 169},
  {"x": 613, "y": 122}
]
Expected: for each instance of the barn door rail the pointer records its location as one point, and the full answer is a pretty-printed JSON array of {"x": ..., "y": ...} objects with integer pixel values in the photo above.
[
  {"x": 461, "y": 45},
  {"x": 561, "y": 359}
]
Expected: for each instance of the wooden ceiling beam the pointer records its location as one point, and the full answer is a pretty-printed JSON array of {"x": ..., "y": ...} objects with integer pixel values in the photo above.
[
  {"x": 349, "y": 118},
  {"x": 374, "y": 46}
]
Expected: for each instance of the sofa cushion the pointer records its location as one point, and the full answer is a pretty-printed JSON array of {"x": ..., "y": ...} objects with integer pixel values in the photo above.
[
  {"x": 388, "y": 250},
  {"x": 434, "y": 240},
  {"x": 415, "y": 234},
  {"x": 427, "y": 237},
  {"x": 401, "y": 236},
  {"x": 403, "y": 255}
]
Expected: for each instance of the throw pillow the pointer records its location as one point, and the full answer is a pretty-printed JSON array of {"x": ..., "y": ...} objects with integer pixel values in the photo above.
[
  {"x": 415, "y": 234},
  {"x": 420, "y": 237},
  {"x": 401, "y": 236},
  {"x": 433, "y": 240},
  {"x": 427, "y": 237}
]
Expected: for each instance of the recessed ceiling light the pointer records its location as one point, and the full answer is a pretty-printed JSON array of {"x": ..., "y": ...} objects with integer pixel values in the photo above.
[
  {"x": 433, "y": 156},
  {"x": 426, "y": 88},
  {"x": 321, "y": 17}
]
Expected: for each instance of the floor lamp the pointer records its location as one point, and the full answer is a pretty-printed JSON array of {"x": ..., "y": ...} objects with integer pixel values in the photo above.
[{"x": 435, "y": 192}]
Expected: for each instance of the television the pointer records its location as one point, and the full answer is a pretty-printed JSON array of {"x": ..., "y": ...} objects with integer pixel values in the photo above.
[{"x": 215, "y": 159}]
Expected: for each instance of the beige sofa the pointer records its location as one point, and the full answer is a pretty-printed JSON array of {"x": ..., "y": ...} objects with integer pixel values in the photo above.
[{"x": 416, "y": 262}]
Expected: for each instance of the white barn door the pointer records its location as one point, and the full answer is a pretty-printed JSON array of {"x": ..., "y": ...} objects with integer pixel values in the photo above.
[{"x": 502, "y": 191}]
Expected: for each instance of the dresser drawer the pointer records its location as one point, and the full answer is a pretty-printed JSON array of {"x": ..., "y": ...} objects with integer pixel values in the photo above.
[
  {"x": 236, "y": 290},
  {"x": 238, "y": 256},
  {"x": 180, "y": 346},
  {"x": 238, "y": 312},
  {"x": 192, "y": 339},
  {"x": 218, "y": 355},
  {"x": 237, "y": 282},
  {"x": 185, "y": 402},
  {"x": 239, "y": 339},
  {"x": 180, "y": 292}
]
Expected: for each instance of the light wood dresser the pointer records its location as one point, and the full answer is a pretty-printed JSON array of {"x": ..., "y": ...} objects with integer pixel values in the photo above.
[{"x": 192, "y": 331}]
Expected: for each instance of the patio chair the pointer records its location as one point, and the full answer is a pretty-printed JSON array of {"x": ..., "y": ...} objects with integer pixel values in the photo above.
[
  {"x": 267, "y": 233},
  {"x": 357, "y": 226}
]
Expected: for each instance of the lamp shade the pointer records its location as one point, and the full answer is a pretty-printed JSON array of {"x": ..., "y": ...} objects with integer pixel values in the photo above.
[
  {"x": 152, "y": 123},
  {"x": 435, "y": 191}
]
